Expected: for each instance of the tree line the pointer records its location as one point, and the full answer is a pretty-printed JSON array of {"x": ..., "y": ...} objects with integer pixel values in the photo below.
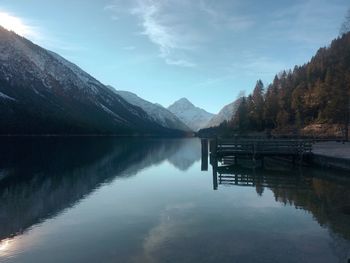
[{"x": 317, "y": 92}]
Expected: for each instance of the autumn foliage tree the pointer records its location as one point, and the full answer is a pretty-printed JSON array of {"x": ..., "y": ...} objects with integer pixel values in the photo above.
[{"x": 317, "y": 92}]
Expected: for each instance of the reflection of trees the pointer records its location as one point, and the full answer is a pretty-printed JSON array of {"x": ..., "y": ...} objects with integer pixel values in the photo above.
[
  {"x": 41, "y": 177},
  {"x": 320, "y": 192},
  {"x": 326, "y": 200}
]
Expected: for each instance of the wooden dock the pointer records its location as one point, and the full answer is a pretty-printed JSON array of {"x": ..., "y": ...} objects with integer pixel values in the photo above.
[
  {"x": 228, "y": 152},
  {"x": 258, "y": 149}
]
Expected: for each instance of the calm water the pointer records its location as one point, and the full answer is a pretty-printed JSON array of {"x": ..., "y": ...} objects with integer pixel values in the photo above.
[{"x": 134, "y": 200}]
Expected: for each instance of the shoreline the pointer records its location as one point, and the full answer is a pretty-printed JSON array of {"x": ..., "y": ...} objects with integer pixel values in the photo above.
[
  {"x": 94, "y": 135},
  {"x": 334, "y": 155}
]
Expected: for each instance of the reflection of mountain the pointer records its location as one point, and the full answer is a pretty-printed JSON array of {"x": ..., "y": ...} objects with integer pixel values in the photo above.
[
  {"x": 188, "y": 153},
  {"x": 327, "y": 198},
  {"x": 42, "y": 177}
]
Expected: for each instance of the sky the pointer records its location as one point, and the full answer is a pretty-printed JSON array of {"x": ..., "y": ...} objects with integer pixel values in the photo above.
[{"x": 207, "y": 51}]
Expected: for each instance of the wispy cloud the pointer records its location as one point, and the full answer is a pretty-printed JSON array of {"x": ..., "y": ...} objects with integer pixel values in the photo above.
[
  {"x": 254, "y": 65},
  {"x": 164, "y": 30},
  {"x": 310, "y": 22},
  {"x": 179, "y": 28},
  {"x": 226, "y": 20}
]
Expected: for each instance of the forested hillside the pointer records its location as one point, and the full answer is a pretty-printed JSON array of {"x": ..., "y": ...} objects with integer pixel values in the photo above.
[{"x": 316, "y": 94}]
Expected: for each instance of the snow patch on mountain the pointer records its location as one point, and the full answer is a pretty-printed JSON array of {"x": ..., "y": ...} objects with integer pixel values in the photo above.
[
  {"x": 194, "y": 117},
  {"x": 4, "y": 96},
  {"x": 155, "y": 111},
  {"x": 56, "y": 95},
  {"x": 47, "y": 65}
]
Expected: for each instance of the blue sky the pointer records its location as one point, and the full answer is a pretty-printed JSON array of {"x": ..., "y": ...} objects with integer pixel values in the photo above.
[{"x": 207, "y": 51}]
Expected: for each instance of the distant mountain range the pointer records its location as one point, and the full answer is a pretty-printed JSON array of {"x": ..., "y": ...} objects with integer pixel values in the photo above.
[
  {"x": 226, "y": 114},
  {"x": 194, "y": 117},
  {"x": 42, "y": 93},
  {"x": 156, "y": 112}
]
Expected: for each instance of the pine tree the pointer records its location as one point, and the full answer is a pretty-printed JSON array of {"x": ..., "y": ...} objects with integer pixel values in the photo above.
[
  {"x": 345, "y": 27},
  {"x": 258, "y": 102}
]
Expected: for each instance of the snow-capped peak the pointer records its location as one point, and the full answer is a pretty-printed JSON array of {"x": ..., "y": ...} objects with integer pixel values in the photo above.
[
  {"x": 155, "y": 111},
  {"x": 194, "y": 117}
]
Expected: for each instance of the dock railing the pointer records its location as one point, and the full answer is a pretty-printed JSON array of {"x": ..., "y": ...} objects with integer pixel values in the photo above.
[{"x": 262, "y": 147}]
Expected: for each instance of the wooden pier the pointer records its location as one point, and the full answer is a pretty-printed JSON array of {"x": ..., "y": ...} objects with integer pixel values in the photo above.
[
  {"x": 258, "y": 149},
  {"x": 228, "y": 152}
]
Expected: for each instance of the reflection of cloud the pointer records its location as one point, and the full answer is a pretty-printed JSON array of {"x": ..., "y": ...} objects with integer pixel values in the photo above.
[
  {"x": 172, "y": 222},
  {"x": 5, "y": 246}
]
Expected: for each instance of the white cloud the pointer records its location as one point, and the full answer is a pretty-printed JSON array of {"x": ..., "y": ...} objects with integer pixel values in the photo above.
[
  {"x": 18, "y": 25},
  {"x": 164, "y": 30},
  {"x": 226, "y": 21},
  {"x": 180, "y": 62},
  {"x": 38, "y": 35},
  {"x": 179, "y": 28}
]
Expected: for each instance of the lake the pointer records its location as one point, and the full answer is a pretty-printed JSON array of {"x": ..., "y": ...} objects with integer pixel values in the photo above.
[{"x": 147, "y": 200}]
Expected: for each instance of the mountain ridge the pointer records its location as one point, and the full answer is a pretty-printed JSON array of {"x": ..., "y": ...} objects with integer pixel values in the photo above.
[
  {"x": 43, "y": 93},
  {"x": 194, "y": 117},
  {"x": 227, "y": 113},
  {"x": 156, "y": 111}
]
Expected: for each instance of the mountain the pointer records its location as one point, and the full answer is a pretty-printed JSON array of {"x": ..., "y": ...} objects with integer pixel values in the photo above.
[
  {"x": 156, "y": 112},
  {"x": 226, "y": 114},
  {"x": 194, "y": 117},
  {"x": 42, "y": 93}
]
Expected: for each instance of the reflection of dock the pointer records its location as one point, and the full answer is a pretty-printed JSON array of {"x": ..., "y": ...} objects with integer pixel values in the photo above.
[
  {"x": 231, "y": 173},
  {"x": 241, "y": 176}
]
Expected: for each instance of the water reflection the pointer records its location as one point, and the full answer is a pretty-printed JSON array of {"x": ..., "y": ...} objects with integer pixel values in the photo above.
[
  {"x": 146, "y": 200},
  {"x": 42, "y": 177},
  {"x": 323, "y": 193}
]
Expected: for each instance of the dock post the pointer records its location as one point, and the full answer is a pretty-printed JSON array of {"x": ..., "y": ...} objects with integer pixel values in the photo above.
[
  {"x": 204, "y": 155},
  {"x": 213, "y": 146},
  {"x": 215, "y": 174},
  {"x": 262, "y": 162}
]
